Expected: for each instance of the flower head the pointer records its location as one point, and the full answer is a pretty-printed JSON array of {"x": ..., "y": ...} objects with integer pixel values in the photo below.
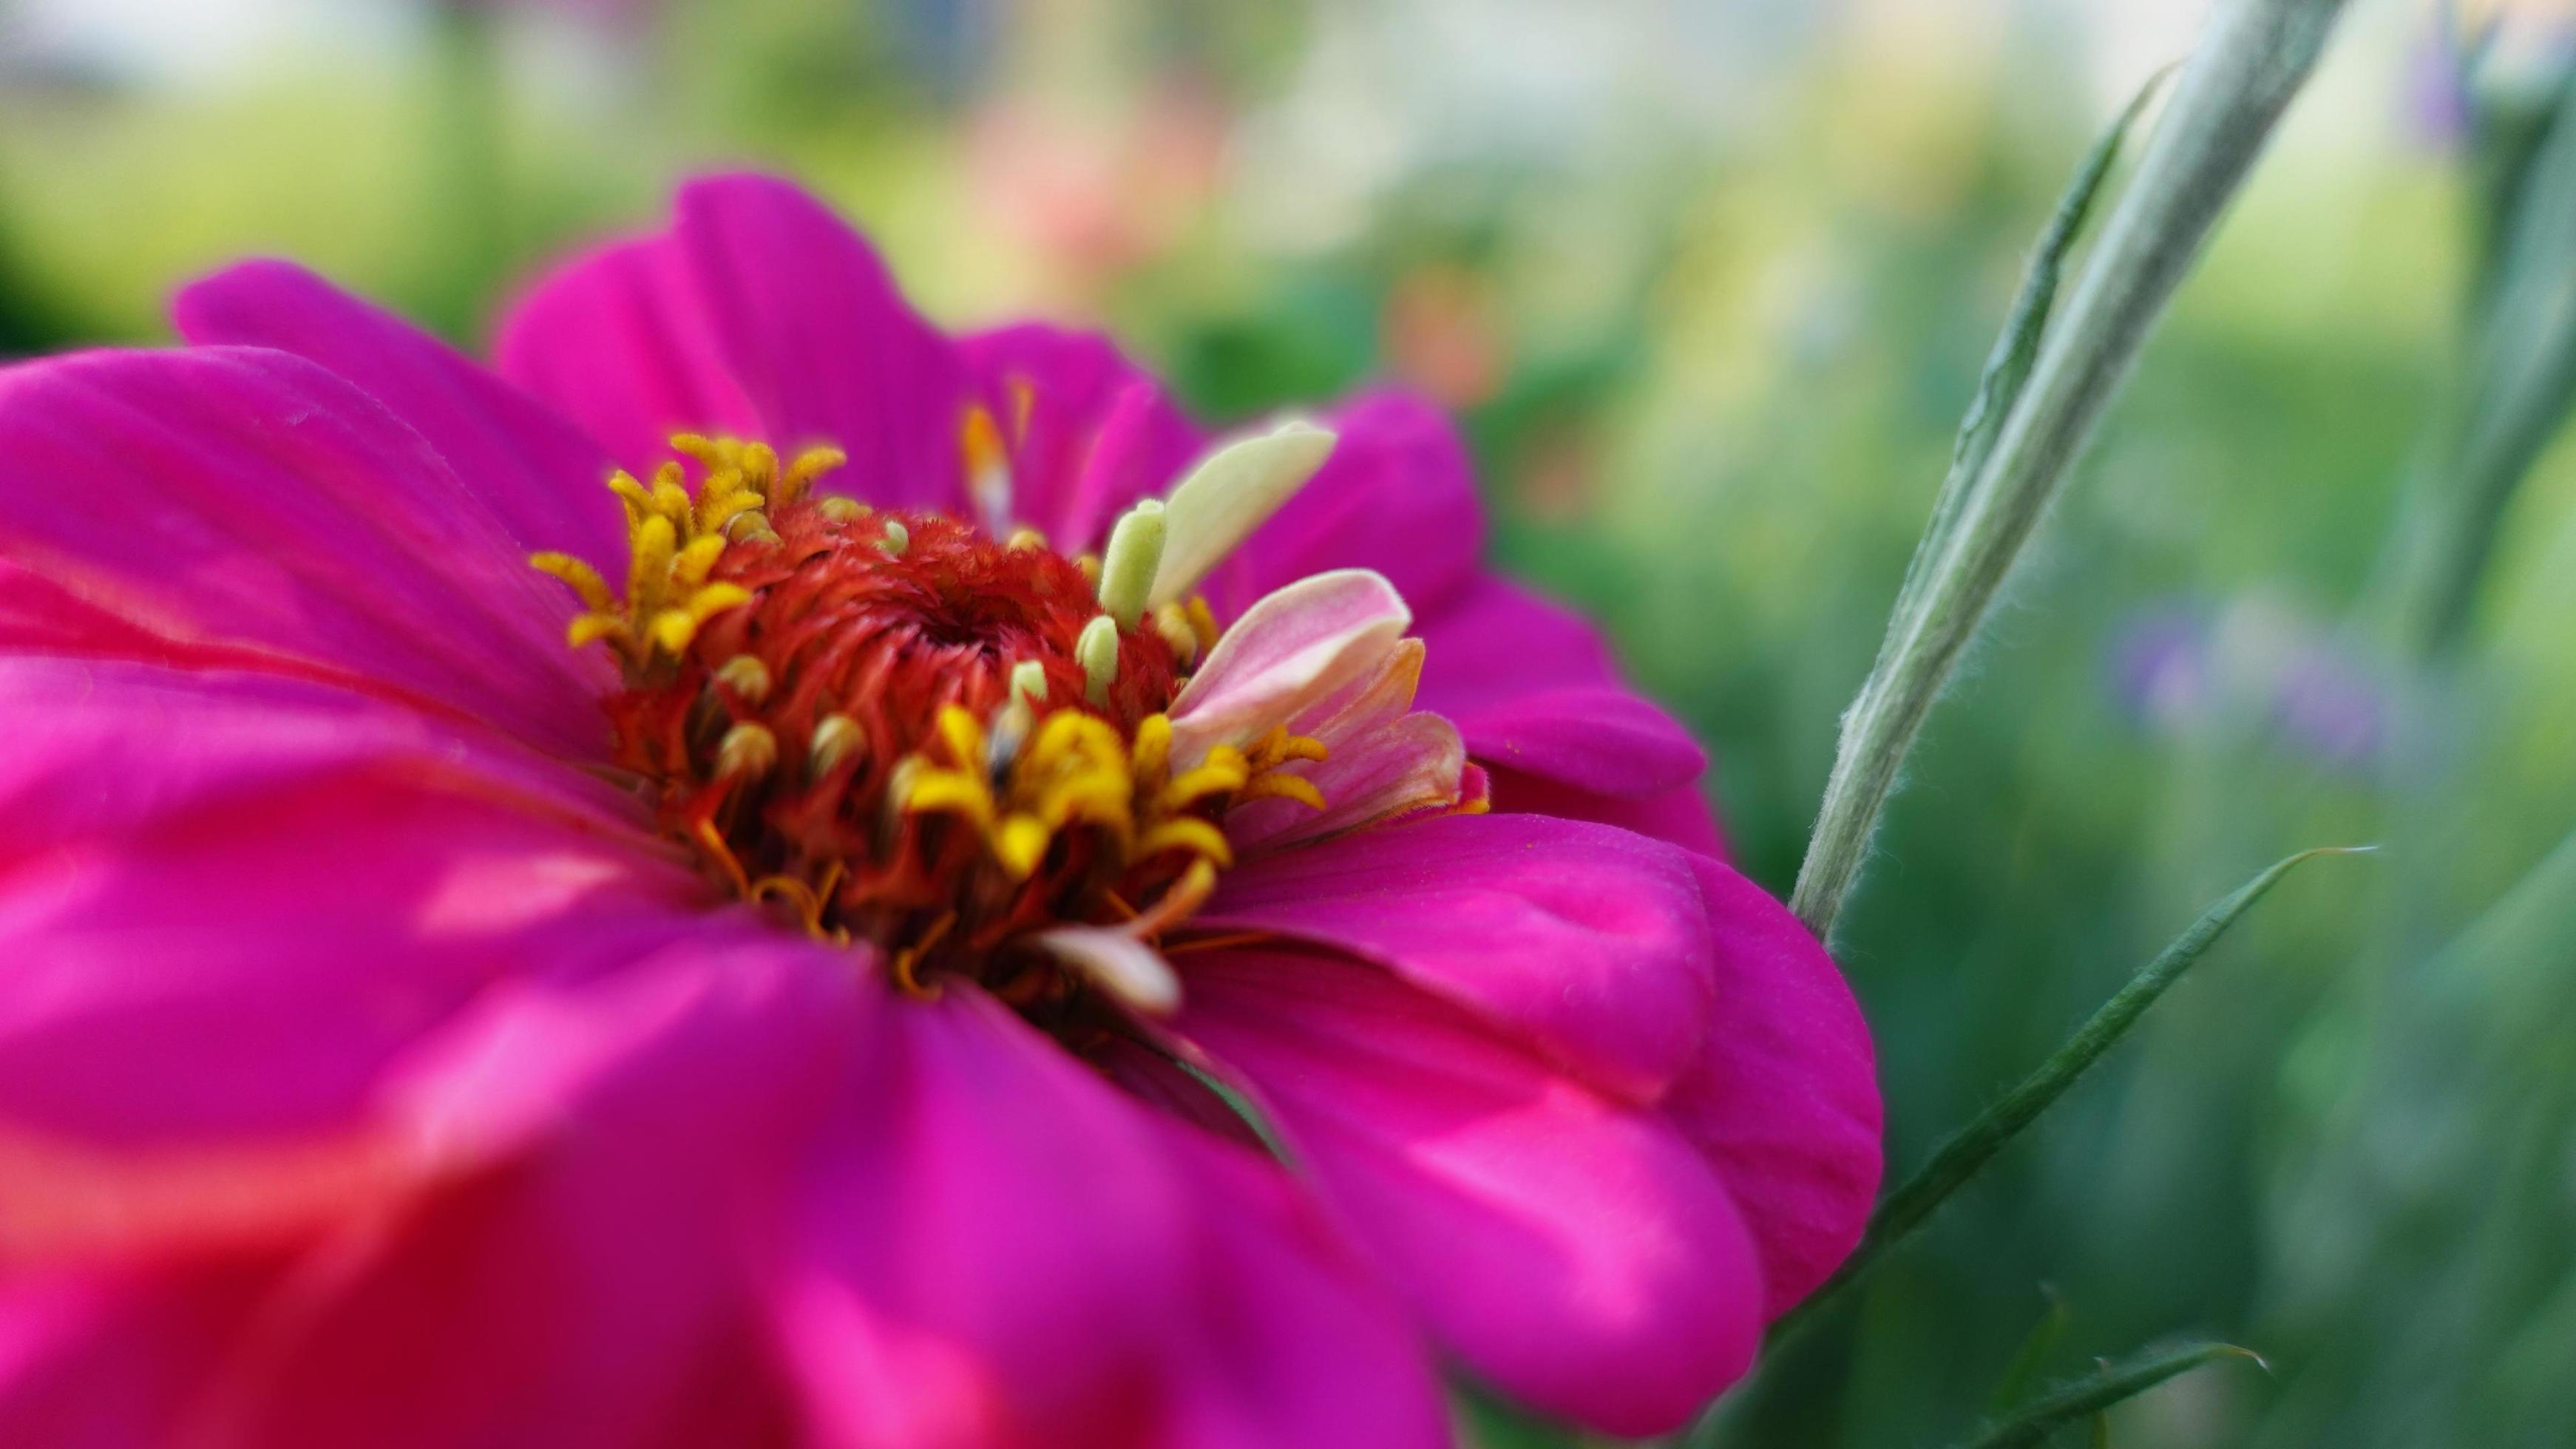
[{"x": 947, "y": 907}]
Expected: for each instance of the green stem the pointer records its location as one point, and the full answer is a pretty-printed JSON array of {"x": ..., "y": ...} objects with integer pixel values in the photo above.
[{"x": 2249, "y": 64}]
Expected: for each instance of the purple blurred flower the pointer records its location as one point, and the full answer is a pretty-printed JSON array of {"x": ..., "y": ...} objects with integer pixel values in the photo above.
[{"x": 2178, "y": 669}]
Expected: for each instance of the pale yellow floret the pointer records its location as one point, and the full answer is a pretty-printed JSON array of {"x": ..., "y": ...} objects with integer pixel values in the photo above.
[
  {"x": 1096, "y": 650},
  {"x": 746, "y": 676},
  {"x": 836, "y": 738},
  {"x": 747, "y": 750}
]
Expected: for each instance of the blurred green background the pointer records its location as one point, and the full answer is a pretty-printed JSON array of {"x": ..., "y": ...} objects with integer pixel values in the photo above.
[{"x": 1709, "y": 285}]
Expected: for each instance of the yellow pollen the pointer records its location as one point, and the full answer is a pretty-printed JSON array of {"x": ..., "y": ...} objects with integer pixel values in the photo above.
[{"x": 981, "y": 442}]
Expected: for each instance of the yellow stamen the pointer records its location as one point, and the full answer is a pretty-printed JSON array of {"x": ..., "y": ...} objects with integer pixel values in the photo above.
[
  {"x": 1222, "y": 772},
  {"x": 1190, "y": 833},
  {"x": 1153, "y": 746},
  {"x": 1282, "y": 786},
  {"x": 585, "y": 580},
  {"x": 1202, "y": 622},
  {"x": 809, "y": 465}
]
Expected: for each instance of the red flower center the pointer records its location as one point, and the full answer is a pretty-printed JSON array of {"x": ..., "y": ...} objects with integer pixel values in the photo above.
[{"x": 891, "y": 727}]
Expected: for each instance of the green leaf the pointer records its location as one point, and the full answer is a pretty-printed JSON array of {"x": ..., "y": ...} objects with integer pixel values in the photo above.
[
  {"x": 2017, "y": 345},
  {"x": 2099, "y": 1390},
  {"x": 2033, "y": 1354},
  {"x": 1955, "y": 1161},
  {"x": 1491, "y": 1423}
]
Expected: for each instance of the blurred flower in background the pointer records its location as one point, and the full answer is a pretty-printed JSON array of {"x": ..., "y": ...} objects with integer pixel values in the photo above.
[{"x": 2253, "y": 665}]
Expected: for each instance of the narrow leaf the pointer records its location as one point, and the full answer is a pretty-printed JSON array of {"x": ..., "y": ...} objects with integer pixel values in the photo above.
[
  {"x": 2098, "y": 1391},
  {"x": 2017, "y": 345},
  {"x": 1972, "y": 1147},
  {"x": 2023, "y": 1371}
]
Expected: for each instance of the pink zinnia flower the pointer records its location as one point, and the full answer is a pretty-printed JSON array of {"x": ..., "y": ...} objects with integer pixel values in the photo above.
[{"x": 805, "y": 1009}]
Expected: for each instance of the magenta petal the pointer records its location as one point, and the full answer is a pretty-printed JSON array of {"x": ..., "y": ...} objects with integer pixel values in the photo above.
[
  {"x": 595, "y": 1287},
  {"x": 620, "y": 341},
  {"x": 1089, "y": 432},
  {"x": 1785, "y": 1099},
  {"x": 1602, "y": 740},
  {"x": 111, "y": 1360},
  {"x": 1679, "y": 816},
  {"x": 540, "y": 477},
  {"x": 1573, "y": 1251},
  {"x": 1532, "y": 689},
  {"x": 997, "y": 1249},
  {"x": 823, "y": 344},
  {"x": 245, "y": 498},
  {"x": 1495, "y": 641},
  {"x": 226, "y": 900},
  {"x": 1289, "y": 1341},
  {"x": 1397, "y": 496},
  {"x": 1588, "y": 942}
]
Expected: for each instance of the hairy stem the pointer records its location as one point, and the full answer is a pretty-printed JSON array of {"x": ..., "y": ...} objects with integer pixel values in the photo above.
[{"x": 2250, "y": 62}]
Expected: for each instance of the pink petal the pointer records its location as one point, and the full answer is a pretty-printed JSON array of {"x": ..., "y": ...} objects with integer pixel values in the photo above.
[
  {"x": 1785, "y": 1099},
  {"x": 1381, "y": 761},
  {"x": 1572, "y": 1251},
  {"x": 1129, "y": 971},
  {"x": 1287, "y": 653},
  {"x": 1588, "y": 942},
  {"x": 821, "y": 341},
  {"x": 227, "y": 899},
  {"x": 620, "y": 340},
  {"x": 1101, "y": 432},
  {"x": 537, "y": 474},
  {"x": 1398, "y": 497},
  {"x": 247, "y": 500},
  {"x": 1409, "y": 765},
  {"x": 997, "y": 1250}
]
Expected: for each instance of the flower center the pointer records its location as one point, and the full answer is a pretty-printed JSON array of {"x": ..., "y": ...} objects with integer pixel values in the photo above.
[{"x": 892, "y": 728}]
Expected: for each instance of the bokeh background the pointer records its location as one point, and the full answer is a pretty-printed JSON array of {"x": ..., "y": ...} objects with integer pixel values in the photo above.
[{"x": 1708, "y": 285}]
